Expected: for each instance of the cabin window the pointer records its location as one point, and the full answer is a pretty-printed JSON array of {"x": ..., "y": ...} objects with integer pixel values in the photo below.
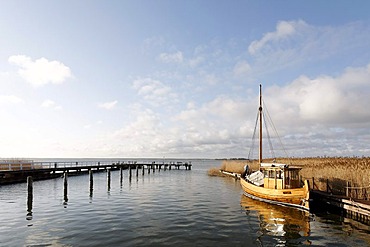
[
  {"x": 271, "y": 174},
  {"x": 266, "y": 173},
  {"x": 295, "y": 175},
  {"x": 278, "y": 174}
]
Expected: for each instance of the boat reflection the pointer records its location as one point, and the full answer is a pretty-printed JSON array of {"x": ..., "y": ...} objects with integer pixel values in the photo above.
[{"x": 291, "y": 224}]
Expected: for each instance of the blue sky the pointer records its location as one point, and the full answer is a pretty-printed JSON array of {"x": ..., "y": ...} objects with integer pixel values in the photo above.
[{"x": 180, "y": 78}]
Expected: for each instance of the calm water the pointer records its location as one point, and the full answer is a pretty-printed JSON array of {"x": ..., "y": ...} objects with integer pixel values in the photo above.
[{"x": 167, "y": 208}]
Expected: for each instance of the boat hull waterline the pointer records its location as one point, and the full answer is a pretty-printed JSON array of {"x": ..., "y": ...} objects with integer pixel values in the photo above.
[{"x": 298, "y": 197}]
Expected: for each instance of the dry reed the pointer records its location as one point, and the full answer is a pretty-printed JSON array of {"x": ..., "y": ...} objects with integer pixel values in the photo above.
[{"x": 215, "y": 172}]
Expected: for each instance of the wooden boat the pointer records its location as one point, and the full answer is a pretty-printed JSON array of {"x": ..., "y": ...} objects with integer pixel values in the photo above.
[{"x": 275, "y": 182}]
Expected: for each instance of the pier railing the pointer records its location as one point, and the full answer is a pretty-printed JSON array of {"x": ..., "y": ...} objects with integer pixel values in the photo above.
[
  {"x": 30, "y": 165},
  {"x": 11, "y": 165},
  {"x": 341, "y": 188}
]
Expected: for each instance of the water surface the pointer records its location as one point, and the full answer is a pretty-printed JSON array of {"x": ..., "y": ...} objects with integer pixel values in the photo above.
[{"x": 166, "y": 208}]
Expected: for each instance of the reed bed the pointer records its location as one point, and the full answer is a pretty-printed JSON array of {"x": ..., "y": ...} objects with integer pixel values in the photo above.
[{"x": 335, "y": 170}]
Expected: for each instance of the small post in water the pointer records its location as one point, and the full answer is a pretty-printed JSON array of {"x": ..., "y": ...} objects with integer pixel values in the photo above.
[
  {"x": 108, "y": 178},
  {"x": 129, "y": 172},
  {"x": 65, "y": 181},
  {"x": 91, "y": 178},
  {"x": 30, "y": 194},
  {"x": 120, "y": 175}
]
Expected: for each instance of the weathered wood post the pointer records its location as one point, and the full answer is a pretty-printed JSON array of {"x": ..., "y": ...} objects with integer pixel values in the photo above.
[
  {"x": 30, "y": 193},
  {"x": 120, "y": 175},
  {"x": 313, "y": 183},
  {"x": 65, "y": 182},
  {"x": 148, "y": 167},
  {"x": 91, "y": 179},
  {"x": 129, "y": 172},
  {"x": 137, "y": 170},
  {"x": 108, "y": 178},
  {"x": 142, "y": 170}
]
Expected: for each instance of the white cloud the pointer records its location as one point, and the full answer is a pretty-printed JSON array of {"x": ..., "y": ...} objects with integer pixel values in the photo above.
[
  {"x": 108, "y": 105},
  {"x": 325, "y": 99},
  {"x": 324, "y": 115},
  {"x": 194, "y": 62},
  {"x": 217, "y": 122},
  {"x": 10, "y": 99},
  {"x": 51, "y": 104},
  {"x": 154, "y": 91},
  {"x": 284, "y": 29},
  {"x": 40, "y": 71},
  {"x": 143, "y": 137},
  {"x": 241, "y": 69},
  {"x": 176, "y": 57},
  {"x": 296, "y": 43},
  {"x": 48, "y": 103}
]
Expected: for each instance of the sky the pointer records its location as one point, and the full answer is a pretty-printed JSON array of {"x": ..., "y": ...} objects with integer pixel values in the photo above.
[{"x": 180, "y": 79}]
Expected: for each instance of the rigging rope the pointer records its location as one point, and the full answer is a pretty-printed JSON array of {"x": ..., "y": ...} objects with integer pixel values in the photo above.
[
  {"x": 268, "y": 135},
  {"x": 269, "y": 119},
  {"x": 253, "y": 138}
]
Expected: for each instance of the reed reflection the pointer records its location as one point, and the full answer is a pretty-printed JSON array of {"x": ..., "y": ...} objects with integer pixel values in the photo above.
[{"x": 287, "y": 224}]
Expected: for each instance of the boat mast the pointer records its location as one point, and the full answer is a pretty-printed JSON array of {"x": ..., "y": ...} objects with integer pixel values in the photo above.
[{"x": 260, "y": 118}]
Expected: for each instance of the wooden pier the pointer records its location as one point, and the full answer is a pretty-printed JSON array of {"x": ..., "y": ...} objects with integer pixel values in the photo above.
[
  {"x": 348, "y": 205},
  {"x": 19, "y": 171}
]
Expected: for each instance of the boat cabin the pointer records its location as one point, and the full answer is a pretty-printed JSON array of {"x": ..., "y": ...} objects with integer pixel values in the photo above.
[{"x": 280, "y": 176}]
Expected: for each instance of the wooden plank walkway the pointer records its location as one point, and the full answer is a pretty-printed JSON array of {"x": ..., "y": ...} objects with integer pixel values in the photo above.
[{"x": 18, "y": 172}]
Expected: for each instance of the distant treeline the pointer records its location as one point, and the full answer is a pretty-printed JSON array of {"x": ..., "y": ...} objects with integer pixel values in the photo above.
[{"x": 233, "y": 159}]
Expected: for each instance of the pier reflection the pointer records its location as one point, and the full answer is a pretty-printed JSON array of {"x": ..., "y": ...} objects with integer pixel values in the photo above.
[{"x": 283, "y": 224}]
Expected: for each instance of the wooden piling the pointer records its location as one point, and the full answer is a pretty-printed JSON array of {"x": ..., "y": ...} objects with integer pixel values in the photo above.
[
  {"x": 137, "y": 170},
  {"x": 142, "y": 170},
  {"x": 91, "y": 180},
  {"x": 30, "y": 193},
  {"x": 129, "y": 173},
  {"x": 148, "y": 167},
  {"x": 120, "y": 175},
  {"x": 65, "y": 182},
  {"x": 108, "y": 179}
]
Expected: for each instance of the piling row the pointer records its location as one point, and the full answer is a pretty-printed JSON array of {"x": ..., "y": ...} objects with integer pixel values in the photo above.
[{"x": 149, "y": 167}]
